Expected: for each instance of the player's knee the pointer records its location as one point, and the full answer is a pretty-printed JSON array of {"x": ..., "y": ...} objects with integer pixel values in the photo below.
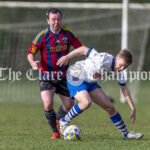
[
  {"x": 110, "y": 109},
  {"x": 87, "y": 103},
  {"x": 48, "y": 107}
]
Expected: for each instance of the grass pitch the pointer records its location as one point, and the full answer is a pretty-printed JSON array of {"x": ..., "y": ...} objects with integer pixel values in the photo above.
[{"x": 23, "y": 127}]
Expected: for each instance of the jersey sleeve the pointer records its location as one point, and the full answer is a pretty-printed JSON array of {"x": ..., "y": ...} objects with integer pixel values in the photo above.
[
  {"x": 121, "y": 78},
  {"x": 74, "y": 41},
  {"x": 35, "y": 45},
  {"x": 92, "y": 53}
]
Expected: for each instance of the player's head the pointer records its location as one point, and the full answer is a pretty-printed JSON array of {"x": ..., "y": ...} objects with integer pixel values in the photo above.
[
  {"x": 123, "y": 60},
  {"x": 54, "y": 19}
]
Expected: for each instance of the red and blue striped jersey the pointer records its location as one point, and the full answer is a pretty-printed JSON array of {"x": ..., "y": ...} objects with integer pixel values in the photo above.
[{"x": 52, "y": 47}]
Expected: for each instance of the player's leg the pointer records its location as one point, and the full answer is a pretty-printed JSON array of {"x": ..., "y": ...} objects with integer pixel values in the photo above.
[
  {"x": 84, "y": 101},
  {"x": 47, "y": 94},
  {"x": 68, "y": 103},
  {"x": 81, "y": 93},
  {"x": 62, "y": 90},
  {"x": 63, "y": 109},
  {"x": 99, "y": 97}
]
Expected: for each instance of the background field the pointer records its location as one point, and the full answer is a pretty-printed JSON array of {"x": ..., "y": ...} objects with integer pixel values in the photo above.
[
  {"x": 23, "y": 125},
  {"x": 113, "y": 1},
  {"x": 22, "y": 122}
]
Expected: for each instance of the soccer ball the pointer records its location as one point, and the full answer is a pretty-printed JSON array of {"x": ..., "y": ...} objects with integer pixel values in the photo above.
[{"x": 72, "y": 132}]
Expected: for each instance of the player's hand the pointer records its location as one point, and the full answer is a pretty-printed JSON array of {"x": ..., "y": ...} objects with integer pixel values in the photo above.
[
  {"x": 34, "y": 65},
  {"x": 133, "y": 115},
  {"x": 62, "y": 61}
]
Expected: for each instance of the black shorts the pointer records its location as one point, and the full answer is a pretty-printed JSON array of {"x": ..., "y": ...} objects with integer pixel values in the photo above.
[{"x": 60, "y": 85}]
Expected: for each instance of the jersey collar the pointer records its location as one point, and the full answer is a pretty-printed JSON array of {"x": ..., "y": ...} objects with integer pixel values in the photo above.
[
  {"x": 52, "y": 32},
  {"x": 113, "y": 62}
]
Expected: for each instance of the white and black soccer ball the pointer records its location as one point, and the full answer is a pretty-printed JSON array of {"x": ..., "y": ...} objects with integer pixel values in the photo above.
[{"x": 72, "y": 132}]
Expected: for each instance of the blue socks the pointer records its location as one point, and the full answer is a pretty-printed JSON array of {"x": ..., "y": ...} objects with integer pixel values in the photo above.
[
  {"x": 117, "y": 120},
  {"x": 74, "y": 111}
]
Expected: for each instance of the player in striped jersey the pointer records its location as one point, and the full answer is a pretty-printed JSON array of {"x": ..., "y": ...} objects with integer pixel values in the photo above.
[
  {"x": 53, "y": 42},
  {"x": 82, "y": 83}
]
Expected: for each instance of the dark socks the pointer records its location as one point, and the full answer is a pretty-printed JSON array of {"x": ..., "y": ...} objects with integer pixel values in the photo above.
[
  {"x": 51, "y": 117},
  {"x": 61, "y": 113}
]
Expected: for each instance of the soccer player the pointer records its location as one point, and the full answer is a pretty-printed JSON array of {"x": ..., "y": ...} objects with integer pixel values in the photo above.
[
  {"x": 53, "y": 42},
  {"x": 82, "y": 83}
]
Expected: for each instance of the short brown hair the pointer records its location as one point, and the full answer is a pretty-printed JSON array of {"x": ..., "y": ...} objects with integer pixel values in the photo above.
[
  {"x": 53, "y": 11},
  {"x": 126, "y": 55}
]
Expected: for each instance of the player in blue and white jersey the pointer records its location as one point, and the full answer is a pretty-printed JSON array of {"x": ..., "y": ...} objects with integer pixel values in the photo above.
[{"x": 82, "y": 83}]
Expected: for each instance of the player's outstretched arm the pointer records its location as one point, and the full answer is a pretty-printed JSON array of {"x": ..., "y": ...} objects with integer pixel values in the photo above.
[
  {"x": 127, "y": 95},
  {"x": 34, "y": 64},
  {"x": 79, "y": 51}
]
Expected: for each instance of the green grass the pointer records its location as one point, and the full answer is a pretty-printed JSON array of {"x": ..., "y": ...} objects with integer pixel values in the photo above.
[{"x": 23, "y": 127}]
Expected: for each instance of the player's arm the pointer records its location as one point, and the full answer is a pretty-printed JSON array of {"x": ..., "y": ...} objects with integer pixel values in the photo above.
[
  {"x": 34, "y": 48},
  {"x": 79, "y": 51},
  {"x": 30, "y": 56},
  {"x": 127, "y": 95},
  {"x": 34, "y": 64}
]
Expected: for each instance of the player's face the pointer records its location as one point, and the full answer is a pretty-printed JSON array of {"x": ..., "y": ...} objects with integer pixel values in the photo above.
[
  {"x": 55, "y": 22},
  {"x": 120, "y": 64}
]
